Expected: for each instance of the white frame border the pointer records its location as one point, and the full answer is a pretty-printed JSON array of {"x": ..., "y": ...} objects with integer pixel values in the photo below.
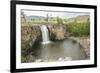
[{"x": 20, "y": 65}]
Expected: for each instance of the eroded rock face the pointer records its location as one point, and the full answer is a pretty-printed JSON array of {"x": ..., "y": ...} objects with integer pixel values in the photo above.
[
  {"x": 57, "y": 32},
  {"x": 29, "y": 36}
]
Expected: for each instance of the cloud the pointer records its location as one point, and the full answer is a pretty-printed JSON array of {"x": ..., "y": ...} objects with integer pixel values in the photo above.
[{"x": 53, "y": 14}]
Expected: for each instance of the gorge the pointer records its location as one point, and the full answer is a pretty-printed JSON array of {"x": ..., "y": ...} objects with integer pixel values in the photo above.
[{"x": 60, "y": 49}]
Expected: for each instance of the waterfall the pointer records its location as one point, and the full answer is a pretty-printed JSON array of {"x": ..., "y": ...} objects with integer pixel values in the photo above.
[{"x": 45, "y": 34}]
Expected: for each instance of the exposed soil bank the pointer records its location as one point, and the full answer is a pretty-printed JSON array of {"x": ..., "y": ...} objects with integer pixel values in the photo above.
[{"x": 84, "y": 42}]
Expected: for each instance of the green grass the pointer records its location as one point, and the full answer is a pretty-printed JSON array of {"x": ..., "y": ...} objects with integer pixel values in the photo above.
[{"x": 78, "y": 29}]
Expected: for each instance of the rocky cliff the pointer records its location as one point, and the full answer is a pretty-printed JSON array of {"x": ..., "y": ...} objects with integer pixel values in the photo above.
[
  {"x": 57, "y": 32},
  {"x": 31, "y": 35}
]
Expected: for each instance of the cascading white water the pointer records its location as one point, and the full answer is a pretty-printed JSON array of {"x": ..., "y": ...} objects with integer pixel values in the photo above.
[{"x": 45, "y": 34}]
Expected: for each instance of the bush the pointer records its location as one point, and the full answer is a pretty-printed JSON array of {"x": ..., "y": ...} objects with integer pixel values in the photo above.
[{"x": 79, "y": 29}]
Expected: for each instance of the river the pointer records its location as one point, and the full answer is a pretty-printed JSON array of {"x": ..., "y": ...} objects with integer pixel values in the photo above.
[{"x": 59, "y": 51}]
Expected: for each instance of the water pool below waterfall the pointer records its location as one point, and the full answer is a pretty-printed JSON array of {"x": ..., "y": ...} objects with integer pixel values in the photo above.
[{"x": 59, "y": 50}]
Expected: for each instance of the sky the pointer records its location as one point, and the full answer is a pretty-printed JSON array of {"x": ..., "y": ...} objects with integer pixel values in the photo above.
[{"x": 53, "y": 13}]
